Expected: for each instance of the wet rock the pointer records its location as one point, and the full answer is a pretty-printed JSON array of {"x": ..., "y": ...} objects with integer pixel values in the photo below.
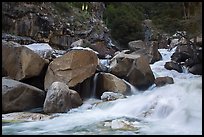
[
  {"x": 161, "y": 81},
  {"x": 182, "y": 53},
  {"x": 173, "y": 66},
  {"x": 109, "y": 96},
  {"x": 196, "y": 69},
  {"x": 109, "y": 82},
  {"x": 121, "y": 124}
]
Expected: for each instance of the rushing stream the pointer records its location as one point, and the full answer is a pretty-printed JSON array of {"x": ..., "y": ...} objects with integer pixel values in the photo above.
[{"x": 171, "y": 109}]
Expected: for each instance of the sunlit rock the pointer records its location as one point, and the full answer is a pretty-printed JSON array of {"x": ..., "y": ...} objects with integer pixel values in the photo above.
[
  {"x": 72, "y": 68},
  {"x": 20, "y": 62}
]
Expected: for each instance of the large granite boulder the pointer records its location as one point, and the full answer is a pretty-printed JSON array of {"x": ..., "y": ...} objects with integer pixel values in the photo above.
[
  {"x": 134, "y": 68},
  {"x": 17, "y": 96},
  {"x": 19, "y": 62},
  {"x": 72, "y": 68}
]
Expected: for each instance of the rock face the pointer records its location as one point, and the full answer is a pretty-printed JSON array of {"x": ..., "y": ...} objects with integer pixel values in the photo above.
[
  {"x": 134, "y": 68},
  {"x": 19, "y": 62},
  {"x": 60, "y": 98},
  {"x": 17, "y": 96},
  {"x": 161, "y": 81},
  {"x": 71, "y": 68},
  {"x": 19, "y": 39},
  {"x": 109, "y": 82},
  {"x": 59, "y": 24}
]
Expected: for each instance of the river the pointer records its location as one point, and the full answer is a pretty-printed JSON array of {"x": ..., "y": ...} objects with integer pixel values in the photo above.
[{"x": 168, "y": 110}]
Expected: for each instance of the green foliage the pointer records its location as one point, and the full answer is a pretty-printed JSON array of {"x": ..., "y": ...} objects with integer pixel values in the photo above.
[{"x": 124, "y": 19}]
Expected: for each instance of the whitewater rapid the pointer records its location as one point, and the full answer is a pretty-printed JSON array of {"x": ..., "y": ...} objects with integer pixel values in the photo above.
[{"x": 168, "y": 110}]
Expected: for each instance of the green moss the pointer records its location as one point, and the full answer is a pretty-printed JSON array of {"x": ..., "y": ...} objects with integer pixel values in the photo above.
[{"x": 12, "y": 121}]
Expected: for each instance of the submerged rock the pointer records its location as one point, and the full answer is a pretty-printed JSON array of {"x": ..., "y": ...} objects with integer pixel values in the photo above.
[
  {"x": 109, "y": 96},
  {"x": 24, "y": 116},
  {"x": 121, "y": 124},
  {"x": 161, "y": 81}
]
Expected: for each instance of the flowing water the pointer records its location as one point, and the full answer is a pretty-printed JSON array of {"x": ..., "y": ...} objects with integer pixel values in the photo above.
[{"x": 171, "y": 109}]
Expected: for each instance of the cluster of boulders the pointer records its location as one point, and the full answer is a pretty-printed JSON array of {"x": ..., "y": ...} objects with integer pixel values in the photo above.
[
  {"x": 37, "y": 75},
  {"x": 31, "y": 80},
  {"x": 188, "y": 54},
  {"x": 59, "y": 85}
]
